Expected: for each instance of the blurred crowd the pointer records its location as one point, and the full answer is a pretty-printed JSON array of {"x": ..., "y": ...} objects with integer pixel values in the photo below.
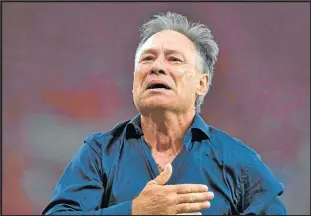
[{"x": 68, "y": 69}]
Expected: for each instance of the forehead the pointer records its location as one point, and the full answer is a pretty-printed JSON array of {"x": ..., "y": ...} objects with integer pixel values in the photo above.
[{"x": 170, "y": 40}]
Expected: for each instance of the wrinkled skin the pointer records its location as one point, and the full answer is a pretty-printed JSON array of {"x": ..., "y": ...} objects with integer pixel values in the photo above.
[{"x": 157, "y": 198}]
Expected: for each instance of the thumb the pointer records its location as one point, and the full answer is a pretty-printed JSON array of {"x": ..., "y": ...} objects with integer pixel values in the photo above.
[{"x": 164, "y": 176}]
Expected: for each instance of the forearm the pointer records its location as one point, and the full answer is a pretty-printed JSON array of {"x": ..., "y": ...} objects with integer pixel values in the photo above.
[{"x": 123, "y": 208}]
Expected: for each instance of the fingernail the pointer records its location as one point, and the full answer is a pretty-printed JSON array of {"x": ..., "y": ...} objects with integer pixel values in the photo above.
[
  {"x": 207, "y": 204},
  {"x": 166, "y": 167}
]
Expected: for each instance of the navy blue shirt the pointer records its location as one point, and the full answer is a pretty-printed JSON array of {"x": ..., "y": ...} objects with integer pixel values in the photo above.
[{"x": 111, "y": 169}]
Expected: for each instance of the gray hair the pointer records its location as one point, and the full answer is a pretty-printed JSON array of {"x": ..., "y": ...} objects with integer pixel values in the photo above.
[{"x": 199, "y": 34}]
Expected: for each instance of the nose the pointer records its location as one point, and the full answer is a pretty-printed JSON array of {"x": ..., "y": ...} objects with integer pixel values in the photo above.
[{"x": 157, "y": 67}]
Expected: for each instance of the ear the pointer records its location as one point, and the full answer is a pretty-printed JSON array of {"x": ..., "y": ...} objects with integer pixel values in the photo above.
[{"x": 202, "y": 84}]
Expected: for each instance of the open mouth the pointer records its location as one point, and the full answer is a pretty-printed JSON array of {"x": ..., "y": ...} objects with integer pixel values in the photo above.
[{"x": 158, "y": 86}]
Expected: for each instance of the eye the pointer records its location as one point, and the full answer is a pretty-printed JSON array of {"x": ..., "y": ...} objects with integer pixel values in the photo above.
[
  {"x": 174, "y": 59},
  {"x": 147, "y": 58}
]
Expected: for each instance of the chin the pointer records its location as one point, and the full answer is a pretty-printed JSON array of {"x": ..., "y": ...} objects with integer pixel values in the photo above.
[
  {"x": 154, "y": 106},
  {"x": 158, "y": 106},
  {"x": 155, "y": 103}
]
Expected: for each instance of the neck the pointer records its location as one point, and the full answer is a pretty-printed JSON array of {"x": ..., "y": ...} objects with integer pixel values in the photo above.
[{"x": 164, "y": 131}]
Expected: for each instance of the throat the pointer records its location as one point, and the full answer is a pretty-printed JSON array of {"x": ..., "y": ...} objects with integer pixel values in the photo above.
[
  {"x": 162, "y": 163},
  {"x": 161, "y": 167},
  {"x": 164, "y": 158}
]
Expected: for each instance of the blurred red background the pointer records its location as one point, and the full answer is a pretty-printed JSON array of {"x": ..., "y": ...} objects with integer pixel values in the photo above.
[{"x": 68, "y": 70}]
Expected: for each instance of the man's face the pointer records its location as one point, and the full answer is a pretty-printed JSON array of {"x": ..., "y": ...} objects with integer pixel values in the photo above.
[{"x": 166, "y": 76}]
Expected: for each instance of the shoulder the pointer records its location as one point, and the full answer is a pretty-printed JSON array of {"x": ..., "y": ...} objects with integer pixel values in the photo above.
[
  {"x": 100, "y": 141},
  {"x": 228, "y": 142},
  {"x": 233, "y": 150},
  {"x": 238, "y": 157}
]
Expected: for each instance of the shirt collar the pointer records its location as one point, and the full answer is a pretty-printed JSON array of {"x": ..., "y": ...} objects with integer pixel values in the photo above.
[
  {"x": 133, "y": 128},
  {"x": 200, "y": 130}
]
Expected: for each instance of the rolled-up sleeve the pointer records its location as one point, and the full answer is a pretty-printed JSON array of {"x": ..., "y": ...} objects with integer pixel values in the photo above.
[
  {"x": 260, "y": 190},
  {"x": 81, "y": 188}
]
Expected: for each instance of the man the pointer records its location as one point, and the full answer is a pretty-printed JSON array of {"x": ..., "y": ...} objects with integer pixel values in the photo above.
[{"x": 167, "y": 160}]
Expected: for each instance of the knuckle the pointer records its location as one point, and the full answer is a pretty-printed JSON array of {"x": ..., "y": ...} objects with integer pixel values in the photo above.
[
  {"x": 191, "y": 198},
  {"x": 172, "y": 188},
  {"x": 146, "y": 192},
  {"x": 185, "y": 190},
  {"x": 170, "y": 199},
  {"x": 151, "y": 182},
  {"x": 205, "y": 196},
  {"x": 178, "y": 189},
  {"x": 171, "y": 211},
  {"x": 178, "y": 210},
  {"x": 188, "y": 207},
  {"x": 201, "y": 206},
  {"x": 182, "y": 199}
]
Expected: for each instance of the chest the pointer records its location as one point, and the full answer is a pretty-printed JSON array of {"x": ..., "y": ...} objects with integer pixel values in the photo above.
[{"x": 134, "y": 170}]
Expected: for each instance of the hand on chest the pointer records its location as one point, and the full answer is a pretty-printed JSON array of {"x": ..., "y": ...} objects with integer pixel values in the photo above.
[{"x": 133, "y": 172}]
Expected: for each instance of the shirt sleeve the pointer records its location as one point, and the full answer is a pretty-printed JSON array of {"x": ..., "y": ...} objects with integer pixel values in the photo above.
[
  {"x": 81, "y": 188},
  {"x": 260, "y": 190}
]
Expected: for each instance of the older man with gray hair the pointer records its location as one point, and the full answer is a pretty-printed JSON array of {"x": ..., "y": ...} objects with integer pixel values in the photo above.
[{"x": 167, "y": 160}]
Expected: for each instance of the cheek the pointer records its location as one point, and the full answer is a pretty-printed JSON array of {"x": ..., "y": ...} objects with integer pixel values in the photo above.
[
  {"x": 142, "y": 68},
  {"x": 138, "y": 80},
  {"x": 185, "y": 77},
  {"x": 188, "y": 85},
  {"x": 179, "y": 76},
  {"x": 184, "y": 70},
  {"x": 181, "y": 70},
  {"x": 141, "y": 71},
  {"x": 135, "y": 82}
]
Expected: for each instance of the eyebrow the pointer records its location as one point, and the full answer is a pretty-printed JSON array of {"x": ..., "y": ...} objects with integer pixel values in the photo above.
[{"x": 166, "y": 51}]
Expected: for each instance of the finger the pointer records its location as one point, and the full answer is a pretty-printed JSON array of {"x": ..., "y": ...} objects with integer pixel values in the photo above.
[
  {"x": 195, "y": 197},
  {"x": 192, "y": 207},
  {"x": 190, "y": 188},
  {"x": 192, "y": 213},
  {"x": 164, "y": 176}
]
